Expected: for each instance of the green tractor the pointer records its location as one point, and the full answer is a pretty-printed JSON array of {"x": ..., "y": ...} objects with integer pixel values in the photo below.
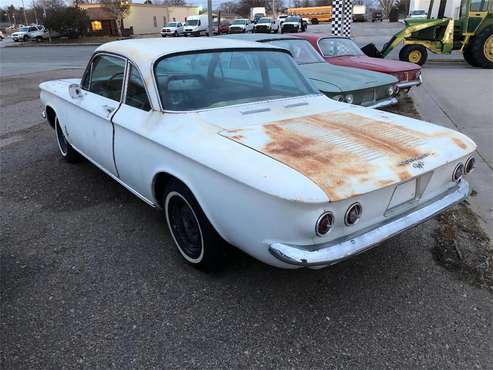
[{"x": 472, "y": 34}]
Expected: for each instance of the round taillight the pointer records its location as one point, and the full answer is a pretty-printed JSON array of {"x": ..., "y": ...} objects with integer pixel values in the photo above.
[
  {"x": 353, "y": 214},
  {"x": 324, "y": 223},
  {"x": 458, "y": 172},
  {"x": 470, "y": 165}
]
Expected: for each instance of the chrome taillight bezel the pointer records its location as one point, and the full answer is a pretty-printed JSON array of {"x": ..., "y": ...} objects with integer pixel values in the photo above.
[
  {"x": 350, "y": 208},
  {"x": 458, "y": 172},
  {"x": 317, "y": 224},
  {"x": 470, "y": 165}
]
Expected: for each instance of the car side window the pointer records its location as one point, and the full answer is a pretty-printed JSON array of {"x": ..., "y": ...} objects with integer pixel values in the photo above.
[
  {"x": 136, "y": 91},
  {"x": 107, "y": 76}
]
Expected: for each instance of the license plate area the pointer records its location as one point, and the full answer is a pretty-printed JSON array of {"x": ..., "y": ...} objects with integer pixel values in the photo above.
[{"x": 403, "y": 193}]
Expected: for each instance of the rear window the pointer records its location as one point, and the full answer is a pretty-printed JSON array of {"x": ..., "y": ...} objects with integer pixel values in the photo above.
[{"x": 197, "y": 81}]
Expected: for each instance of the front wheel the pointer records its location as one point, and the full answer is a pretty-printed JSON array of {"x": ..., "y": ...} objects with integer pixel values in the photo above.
[
  {"x": 25, "y": 38},
  {"x": 416, "y": 54},
  {"x": 194, "y": 236},
  {"x": 66, "y": 150}
]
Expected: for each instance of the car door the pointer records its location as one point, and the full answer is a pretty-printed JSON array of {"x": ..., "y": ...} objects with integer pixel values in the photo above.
[
  {"x": 91, "y": 129},
  {"x": 133, "y": 118}
]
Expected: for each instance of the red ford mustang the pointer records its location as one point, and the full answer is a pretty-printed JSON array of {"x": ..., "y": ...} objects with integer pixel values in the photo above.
[{"x": 344, "y": 52}]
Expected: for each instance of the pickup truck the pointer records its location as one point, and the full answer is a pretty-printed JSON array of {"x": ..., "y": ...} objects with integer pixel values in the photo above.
[{"x": 35, "y": 32}]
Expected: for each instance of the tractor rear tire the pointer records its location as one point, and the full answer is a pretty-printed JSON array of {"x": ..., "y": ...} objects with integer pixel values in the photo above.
[
  {"x": 466, "y": 53},
  {"x": 481, "y": 48},
  {"x": 414, "y": 54}
]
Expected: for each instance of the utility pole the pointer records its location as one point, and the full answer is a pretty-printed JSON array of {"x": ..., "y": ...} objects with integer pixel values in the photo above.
[
  {"x": 24, "y": 12},
  {"x": 35, "y": 13},
  {"x": 209, "y": 16},
  {"x": 273, "y": 9}
]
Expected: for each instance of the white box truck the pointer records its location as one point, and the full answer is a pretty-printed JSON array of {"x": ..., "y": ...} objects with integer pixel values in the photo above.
[
  {"x": 196, "y": 25},
  {"x": 359, "y": 13},
  {"x": 257, "y": 13}
]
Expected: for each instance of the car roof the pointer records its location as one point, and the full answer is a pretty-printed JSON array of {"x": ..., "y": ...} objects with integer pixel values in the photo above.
[
  {"x": 146, "y": 51},
  {"x": 257, "y": 37}
]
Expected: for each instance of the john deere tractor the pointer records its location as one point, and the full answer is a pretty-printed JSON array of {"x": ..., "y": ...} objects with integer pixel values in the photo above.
[{"x": 471, "y": 33}]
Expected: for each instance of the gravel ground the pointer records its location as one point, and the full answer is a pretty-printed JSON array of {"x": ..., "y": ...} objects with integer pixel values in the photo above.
[{"x": 90, "y": 279}]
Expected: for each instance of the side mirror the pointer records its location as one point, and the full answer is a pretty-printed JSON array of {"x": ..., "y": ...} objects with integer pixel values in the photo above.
[{"x": 75, "y": 91}]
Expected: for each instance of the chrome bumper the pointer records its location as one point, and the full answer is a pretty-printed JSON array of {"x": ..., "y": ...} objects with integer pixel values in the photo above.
[
  {"x": 383, "y": 103},
  {"x": 409, "y": 84},
  {"x": 336, "y": 251}
]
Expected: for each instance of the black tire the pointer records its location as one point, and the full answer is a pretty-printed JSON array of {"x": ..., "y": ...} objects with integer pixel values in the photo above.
[
  {"x": 481, "y": 48},
  {"x": 468, "y": 57},
  {"x": 25, "y": 38},
  {"x": 66, "y": 150},
  {"x": 194, "y": 236},
  {"x": 175, "y": 34},
  {"x": 414, "y": 54},
  {"x": 163, "y": 35},
  {"x": 39, "y": 39}
]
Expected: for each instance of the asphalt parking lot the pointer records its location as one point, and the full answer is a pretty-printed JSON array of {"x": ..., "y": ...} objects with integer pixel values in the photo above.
[{"x": 90, "y": 277}]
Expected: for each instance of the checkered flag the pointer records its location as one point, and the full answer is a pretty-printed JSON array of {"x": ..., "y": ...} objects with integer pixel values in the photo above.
[
  {"x": 342, "y": 17},
  {"x": 337, "y": 16}
]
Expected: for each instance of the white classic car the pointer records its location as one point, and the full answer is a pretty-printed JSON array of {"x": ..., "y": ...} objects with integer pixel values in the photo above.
[{"x": 237, "y": 148}]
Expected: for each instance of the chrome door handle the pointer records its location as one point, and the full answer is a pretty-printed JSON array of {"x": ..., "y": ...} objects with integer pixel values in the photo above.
[{"x": 108, "y": 109}]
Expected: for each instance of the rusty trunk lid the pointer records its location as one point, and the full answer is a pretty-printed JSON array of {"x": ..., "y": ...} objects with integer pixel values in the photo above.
[{"x": 354, "y": 151}]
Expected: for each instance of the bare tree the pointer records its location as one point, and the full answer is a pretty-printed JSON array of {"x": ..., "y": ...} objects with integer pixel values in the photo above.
[
  {"x": 119, "y": 9},
  {"x": 387, "y": 5}
]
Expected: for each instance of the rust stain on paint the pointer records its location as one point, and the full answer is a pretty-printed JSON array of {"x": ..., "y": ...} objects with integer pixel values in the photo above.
[
  {"x": 459, "y": 143},
  {"x": 335, "y": 167}
]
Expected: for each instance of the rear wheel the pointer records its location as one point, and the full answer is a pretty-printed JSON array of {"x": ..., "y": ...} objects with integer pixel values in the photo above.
[
  {"x": 481, "y": 49},
  {"x": 194, "y": 236},
  {"x": 414, "y": 54},
  {"x": 468, "y": 57},
  {"x": 66, "y": 150}
]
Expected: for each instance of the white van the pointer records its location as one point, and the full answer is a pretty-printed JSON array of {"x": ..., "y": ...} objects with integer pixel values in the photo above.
[{"x": 197, "y": 25}]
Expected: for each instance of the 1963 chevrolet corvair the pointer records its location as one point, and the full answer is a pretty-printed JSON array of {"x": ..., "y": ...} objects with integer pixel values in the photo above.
[{"x": 235, "y": 145}]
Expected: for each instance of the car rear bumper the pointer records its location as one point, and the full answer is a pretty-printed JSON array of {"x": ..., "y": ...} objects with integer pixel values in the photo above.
[{"x": 336, "y": 251}]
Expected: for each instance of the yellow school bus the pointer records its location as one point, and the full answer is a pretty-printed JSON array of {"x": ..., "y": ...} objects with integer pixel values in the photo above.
[{"x": 315, "y": 14}]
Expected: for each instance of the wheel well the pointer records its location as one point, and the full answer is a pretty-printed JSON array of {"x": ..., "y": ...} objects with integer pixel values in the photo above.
[
  {"x": 50, "y": 116},
  {"x": 160, "y": 182}
]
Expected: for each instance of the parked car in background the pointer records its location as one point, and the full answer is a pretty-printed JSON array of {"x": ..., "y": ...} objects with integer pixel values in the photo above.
[
  {"x": 343, "y": 51},
  {"x": 173, "y": 29},
  {"x": 281, "y": 19},
  {"x": 26, "y": 33},
  {"x": 222, "y": 28},
  {"x": 351, "y": 85},
  {"x": 293, "y": 23},
  {"x": 417, "y": 14},
  {"x": 237, "y": 148},
  {"x": 266, "y": 25},
  {"x": 241, "y": 26},
  {"x": 196, "y": 25},
  {"x": 377, "y": 15}
]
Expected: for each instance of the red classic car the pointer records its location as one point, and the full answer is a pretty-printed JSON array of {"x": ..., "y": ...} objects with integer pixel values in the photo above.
[{"x": 344, "y": 52}]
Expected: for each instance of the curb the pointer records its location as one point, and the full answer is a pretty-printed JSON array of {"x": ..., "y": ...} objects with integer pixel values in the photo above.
[{"x": 50, "y": 45}]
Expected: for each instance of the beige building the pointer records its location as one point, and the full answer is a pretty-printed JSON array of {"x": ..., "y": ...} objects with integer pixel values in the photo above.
[{"x": 141, "y": 19}]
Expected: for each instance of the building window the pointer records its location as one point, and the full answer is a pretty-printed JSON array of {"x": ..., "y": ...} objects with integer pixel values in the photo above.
[
  {"x": 96, "y": 26},
  {"x": 155, "y": 21}
]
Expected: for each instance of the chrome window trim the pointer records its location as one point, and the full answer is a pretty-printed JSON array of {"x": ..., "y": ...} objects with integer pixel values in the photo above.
[
  {"x": 90, "y": 64},
  {"x": 129, "y": 65}
]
